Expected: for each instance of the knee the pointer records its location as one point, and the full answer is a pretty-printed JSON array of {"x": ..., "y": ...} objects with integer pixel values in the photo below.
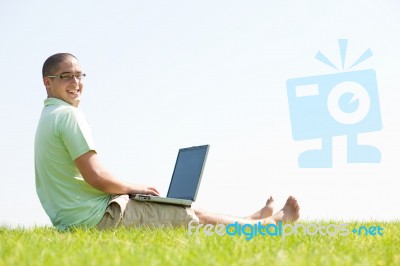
[
  {"x": 201, "y": 215},
  {"x": 198, "y": 212}
]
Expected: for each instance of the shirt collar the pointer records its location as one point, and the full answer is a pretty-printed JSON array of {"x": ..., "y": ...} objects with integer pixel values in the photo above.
[{"x": 55, "y": 101}]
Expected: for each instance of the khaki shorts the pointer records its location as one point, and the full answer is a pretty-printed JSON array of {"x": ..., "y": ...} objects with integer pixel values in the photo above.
[{"x": 125, "y": 212}]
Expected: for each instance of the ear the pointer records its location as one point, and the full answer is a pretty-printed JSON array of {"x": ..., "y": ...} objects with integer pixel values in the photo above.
[{"x": 46, "y": 82}]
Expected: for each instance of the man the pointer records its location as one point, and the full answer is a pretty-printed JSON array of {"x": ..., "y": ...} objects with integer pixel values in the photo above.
[{"x": 77, "y": 191}]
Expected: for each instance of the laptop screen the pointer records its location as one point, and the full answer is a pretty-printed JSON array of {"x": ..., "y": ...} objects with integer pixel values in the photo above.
[{"x": 189, "y": 167}]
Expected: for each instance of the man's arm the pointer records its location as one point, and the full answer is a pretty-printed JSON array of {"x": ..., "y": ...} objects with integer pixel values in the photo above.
[{"x": 98, "y": 177}]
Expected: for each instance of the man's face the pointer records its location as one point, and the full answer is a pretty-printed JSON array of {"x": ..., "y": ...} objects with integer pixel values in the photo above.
[{"x": 66, "y": 89}]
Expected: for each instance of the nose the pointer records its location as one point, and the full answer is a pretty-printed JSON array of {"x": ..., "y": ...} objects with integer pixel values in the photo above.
[{"x": 75, "y": 80}]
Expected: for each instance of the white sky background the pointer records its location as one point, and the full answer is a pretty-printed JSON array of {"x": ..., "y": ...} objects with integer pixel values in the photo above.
[{"x": 163, "y": 75}]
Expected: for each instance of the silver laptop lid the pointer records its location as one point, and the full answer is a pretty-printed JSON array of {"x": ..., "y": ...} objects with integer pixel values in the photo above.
[{"x": 188, "y": 169}]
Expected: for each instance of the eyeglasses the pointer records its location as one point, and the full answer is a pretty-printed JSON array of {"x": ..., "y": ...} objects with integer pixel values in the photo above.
[{"x": 68, "y": 76}]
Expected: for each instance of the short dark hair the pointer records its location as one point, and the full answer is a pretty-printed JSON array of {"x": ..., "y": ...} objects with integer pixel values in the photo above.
[{"x": 51, "y": 64}]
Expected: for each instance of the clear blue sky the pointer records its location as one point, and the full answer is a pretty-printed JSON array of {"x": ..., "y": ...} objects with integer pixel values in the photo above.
[{"x": 162, "y": 75}]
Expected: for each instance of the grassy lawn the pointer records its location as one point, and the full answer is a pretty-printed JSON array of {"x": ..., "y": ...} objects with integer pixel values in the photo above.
[{"x": 47, "y": 246}]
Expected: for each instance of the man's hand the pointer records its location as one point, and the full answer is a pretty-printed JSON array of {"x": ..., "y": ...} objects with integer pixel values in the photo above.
[{"x": 143, "y": 189}]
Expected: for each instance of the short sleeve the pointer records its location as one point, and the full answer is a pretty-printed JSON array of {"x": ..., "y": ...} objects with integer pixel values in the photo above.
[{"x": 76, "y": 134}]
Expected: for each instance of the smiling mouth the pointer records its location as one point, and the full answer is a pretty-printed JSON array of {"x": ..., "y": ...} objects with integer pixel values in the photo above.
[{"x": 74, "y": 92}]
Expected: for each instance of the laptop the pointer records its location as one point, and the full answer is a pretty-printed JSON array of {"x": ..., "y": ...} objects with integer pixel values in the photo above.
[{"x": 185, "y": 179}]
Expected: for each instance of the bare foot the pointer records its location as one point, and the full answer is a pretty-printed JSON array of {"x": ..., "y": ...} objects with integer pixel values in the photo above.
[
  {"x": 289, "y": 213},
  {"x": 264, "y": 212},
  {"x": 269, "y": 208}
]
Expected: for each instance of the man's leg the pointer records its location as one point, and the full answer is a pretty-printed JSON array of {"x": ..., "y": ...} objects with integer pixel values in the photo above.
[
  {"x": 152, "y": 214},
  {"x": 289, "y": 213}
]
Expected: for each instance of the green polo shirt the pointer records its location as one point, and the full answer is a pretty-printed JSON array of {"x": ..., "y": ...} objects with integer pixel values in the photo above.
[{"x": 62, "y": 135}]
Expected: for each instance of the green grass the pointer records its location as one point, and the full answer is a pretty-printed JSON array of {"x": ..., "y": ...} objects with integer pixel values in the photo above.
[{"x": 47, "y": 246}]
